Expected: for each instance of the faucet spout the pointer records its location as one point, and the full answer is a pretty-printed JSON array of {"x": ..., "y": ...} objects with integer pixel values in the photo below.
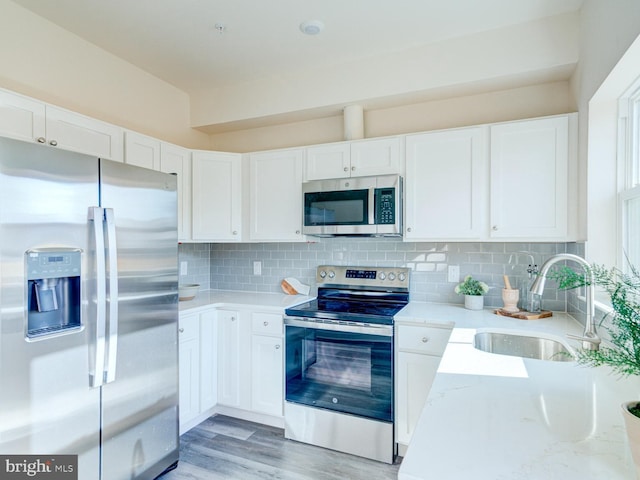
[{"x": 590, "y": 339}]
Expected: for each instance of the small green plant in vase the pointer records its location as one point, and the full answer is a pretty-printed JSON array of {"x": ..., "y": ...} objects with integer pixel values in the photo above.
[{"x": 473, "y": 291}]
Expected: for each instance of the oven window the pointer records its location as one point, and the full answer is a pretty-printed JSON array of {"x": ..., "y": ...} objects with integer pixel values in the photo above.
[
  {"x": 340, "y": 371},
  {"x": 336, "y": 208}
]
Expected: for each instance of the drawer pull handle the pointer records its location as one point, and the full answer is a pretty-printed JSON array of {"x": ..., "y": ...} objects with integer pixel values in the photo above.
[
  {"x": 425, "y": 339},
  {"x": 181, "y": 330}
]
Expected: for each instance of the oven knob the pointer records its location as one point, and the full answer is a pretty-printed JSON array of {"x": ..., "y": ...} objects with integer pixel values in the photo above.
[
  {"x": 332, "y": 274},
  {"x": 402, "y": 277},
  {"x": 392, "y": 276},
  {"x": 382, "y": 276},
  {"x": 323, "y": 274}
]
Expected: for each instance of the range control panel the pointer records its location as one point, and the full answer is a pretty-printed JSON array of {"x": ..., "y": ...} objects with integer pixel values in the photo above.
[{"x": 362, "y": 276}]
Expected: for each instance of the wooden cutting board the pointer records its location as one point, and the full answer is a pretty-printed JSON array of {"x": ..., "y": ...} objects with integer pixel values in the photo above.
[{"x": 524, "y": 315}]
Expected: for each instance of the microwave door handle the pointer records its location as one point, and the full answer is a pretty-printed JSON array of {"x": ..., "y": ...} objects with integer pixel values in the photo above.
[
  {"x": 96, "y": 216},
  {"x": 112, "y": 302},
  {"x": 372, "y": 205}
]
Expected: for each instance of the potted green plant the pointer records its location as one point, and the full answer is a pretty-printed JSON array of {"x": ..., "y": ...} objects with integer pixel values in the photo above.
[
  {"x": 622, "y": 351},
  {"x": 473, "y": 291}
]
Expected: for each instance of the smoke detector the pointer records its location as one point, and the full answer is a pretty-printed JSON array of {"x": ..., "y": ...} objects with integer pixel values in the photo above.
[{"x": 311, "y": 27}]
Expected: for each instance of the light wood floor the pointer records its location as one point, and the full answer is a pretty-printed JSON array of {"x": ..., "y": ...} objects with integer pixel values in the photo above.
[{"x": 227, "y": 448}]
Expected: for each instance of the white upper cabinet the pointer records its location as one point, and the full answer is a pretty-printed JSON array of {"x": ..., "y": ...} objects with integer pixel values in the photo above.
[
  {"x": 72, "y": 131},
  {"x": 354, "y": 159},
  {"x": 529, "y": 179},
  {"x": 177, "y": 160},
  {"x": 216, "y": 196},
  {"x": 141, "y": 150},
  {"x": 33, "y": 121},
  {"x": 275, "y": 196},
  {"x": 21, "y": 117},
  {"x": 446, "y": 185}
]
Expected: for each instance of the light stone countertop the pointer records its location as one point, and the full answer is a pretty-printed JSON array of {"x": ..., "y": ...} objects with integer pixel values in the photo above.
[
  {"x": 235, "y": 299},
  {"x": 497, "y": 417}
]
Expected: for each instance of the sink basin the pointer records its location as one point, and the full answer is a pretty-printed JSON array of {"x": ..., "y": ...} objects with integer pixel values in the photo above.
[{"x": 522, "y": 344}]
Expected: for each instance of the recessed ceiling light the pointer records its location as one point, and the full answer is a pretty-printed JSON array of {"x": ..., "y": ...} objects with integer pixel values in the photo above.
[{"x": 311, "y": 27}]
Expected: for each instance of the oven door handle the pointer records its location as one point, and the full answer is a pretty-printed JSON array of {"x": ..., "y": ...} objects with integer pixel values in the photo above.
[{"x": 336, "y": 326}]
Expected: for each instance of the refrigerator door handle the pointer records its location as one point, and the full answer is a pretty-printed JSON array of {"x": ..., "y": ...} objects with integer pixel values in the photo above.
[
  {"x": 96, "y": 216},
  {"x": 112, "y": 254}
]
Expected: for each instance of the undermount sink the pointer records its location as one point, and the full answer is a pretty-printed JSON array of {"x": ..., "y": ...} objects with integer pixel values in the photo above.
[{"x": 522, "y": 344}]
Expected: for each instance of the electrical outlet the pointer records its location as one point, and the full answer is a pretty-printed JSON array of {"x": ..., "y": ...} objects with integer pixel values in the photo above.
[
  {"x": 183, "y": 268},
  {"x": 453, "y": 273},
  {"x": 257, "y": 267}
]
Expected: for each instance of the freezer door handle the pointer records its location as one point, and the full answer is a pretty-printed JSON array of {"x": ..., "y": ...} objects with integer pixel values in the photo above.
[
  {"x": 96, "y": 217},
  {"x": 112, "y": 303}
]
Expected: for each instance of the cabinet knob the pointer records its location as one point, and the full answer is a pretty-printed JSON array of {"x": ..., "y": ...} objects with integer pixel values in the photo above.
[
  {"x": 53, "y": 143},
  {"x": 346, "y": 169},
  {"x": 235, "y": 232},
  {"x": 266, "y": 323},
  {"x": 233, "y": 319},
  {"x": 297, "y": 232},
  {"x": 41, "y": 140},
  {"x": 181, "y": 330},
  {"x": 277, "y": 347},
  {"x": 409, "y": 229},
  {"x": 353, "y": 169},
  {"x": 425, "y": 339},
  {"x": 494, "y": 228}
]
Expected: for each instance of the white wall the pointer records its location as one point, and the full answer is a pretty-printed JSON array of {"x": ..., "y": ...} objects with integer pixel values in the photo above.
[
  {"x": 43, "y": 61},
  {"x": 607, "y": 29},
  {"x": 510, "y": 104}
]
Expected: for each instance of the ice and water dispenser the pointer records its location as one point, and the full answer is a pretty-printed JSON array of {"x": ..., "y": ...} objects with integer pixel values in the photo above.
[{"x": 53, "y": 292}]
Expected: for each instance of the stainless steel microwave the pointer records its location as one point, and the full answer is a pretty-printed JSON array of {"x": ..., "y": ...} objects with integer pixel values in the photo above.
[{"x": 369, "y": 206}]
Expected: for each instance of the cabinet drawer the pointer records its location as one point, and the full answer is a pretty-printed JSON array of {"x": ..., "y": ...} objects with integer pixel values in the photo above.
[
  {"x": 429, "y": 340},
  {"x": 188, "y": 328},
  {"x": 266, "y": 323}
]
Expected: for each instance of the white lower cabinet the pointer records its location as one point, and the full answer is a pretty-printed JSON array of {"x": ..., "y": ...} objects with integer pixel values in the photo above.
[
  {"x": 197, "y": 357},
  {"x": 189, "y": 368},
  {"x": 420, "y": 349},
  {"x": 250, "y": 363}
]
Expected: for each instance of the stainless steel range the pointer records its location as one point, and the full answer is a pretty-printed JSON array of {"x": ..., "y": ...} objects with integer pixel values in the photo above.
[{"x": 339, "y": 361}]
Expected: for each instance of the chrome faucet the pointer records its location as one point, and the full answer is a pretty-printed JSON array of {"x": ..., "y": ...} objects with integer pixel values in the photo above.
[{"x": 590, "y": 339}]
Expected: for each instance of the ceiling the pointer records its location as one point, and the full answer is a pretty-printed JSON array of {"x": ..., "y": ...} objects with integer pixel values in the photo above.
[{"x": 177, "y": 40}]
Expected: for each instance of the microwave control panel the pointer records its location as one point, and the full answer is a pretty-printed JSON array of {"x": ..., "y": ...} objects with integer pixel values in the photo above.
[{"x": 385, "y": 208}]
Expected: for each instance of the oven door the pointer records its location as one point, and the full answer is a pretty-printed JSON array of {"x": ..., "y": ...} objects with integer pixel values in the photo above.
[{"x": 343, "y": 368}]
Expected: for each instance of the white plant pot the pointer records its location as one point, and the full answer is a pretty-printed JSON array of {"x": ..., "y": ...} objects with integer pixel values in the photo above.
[
  {"x": 632, "y": 425},
  {"x": 474, "y": 302}
]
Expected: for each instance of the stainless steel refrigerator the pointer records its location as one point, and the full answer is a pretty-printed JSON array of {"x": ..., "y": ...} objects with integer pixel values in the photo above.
[{"x": 88, "y": 312}]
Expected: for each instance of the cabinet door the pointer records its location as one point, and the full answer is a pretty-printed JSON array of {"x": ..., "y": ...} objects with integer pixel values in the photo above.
[
  {"x": 376, "y": 157},
  {"x": 72, "y": 131},
  {"x": 189, "y": 368},
  {"x": 208, "y": 360},
  {"x": 216, "y": 202},
  {"x": 275, "y": 196},
  {"x": 229, "y": 358},
  {"x": 141, "y": 151},
  {"x": 446, "y": 185},
  {"x": 529, "y": 179},
  {"x": 266, "y": 374},
  {"x": 327, "y": 161},
  {"x": 415, "y": 376},
  {"x": 177, "y": 160},
  {"x": 22, "y": 118}
]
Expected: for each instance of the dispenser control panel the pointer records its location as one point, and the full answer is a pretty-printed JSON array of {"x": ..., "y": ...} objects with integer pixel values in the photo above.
[{"x": 53, "y": 264}]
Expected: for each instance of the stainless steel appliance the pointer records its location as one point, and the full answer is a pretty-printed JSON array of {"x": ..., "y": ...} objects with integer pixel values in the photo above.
[
  {"x": 339, "y": 361},
  {"x": 88, "y": 312},
  {"x": 369, "y": 206}
]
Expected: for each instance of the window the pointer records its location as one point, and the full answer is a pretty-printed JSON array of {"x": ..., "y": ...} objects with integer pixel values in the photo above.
[{"x": 629, "y": 178}]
